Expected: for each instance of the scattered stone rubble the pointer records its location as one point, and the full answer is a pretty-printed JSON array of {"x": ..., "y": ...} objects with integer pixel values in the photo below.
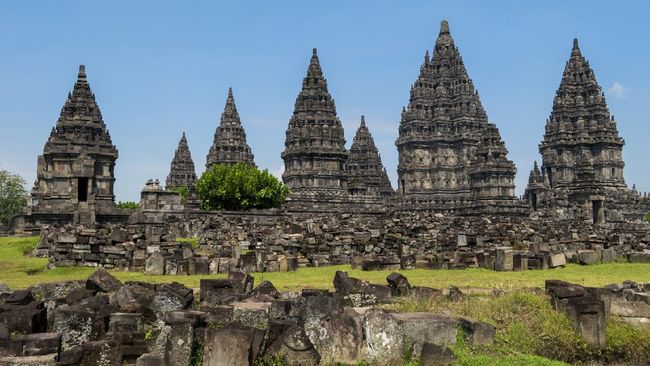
[
  {"x": 284, "y": 242},
  {"x": 103, "y": 321}
]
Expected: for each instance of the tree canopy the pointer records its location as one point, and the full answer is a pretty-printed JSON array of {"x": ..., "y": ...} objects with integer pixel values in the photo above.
[
  {"x": 13, "y": 195},
  {"x": 239, "y": 187}
]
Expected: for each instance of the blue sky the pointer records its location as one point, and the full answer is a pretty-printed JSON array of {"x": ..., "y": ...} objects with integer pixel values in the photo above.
[{"x": 159, "y": 68}]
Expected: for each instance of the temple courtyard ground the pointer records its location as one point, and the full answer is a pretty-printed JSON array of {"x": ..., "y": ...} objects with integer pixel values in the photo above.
[
  {"x": 19, "y": 270},
  {"x": 528, "y": 330}
]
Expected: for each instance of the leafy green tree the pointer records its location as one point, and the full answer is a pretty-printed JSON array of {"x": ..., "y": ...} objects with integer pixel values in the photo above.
[
  {"x": 239, "y": 187},
  {"x": 13, "y": 195},
  {"x": 127, "y": 204}
]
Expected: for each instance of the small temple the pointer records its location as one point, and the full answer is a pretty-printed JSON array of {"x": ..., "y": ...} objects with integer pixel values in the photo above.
[
  {"x": 229, "y": 145},
  {"x": 182, "y": 173},
  {"x": 366, "y": 172}
]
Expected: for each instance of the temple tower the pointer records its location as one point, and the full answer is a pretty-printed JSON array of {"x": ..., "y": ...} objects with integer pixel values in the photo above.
[
  {"x": 315, "y": 156},
  {"x": 182, "y": 173},
  {"x": 439, "y": 130},
  {"x": 492, "y": 178},
  {"x": 580, "y": 127},
  {"x": 75, "y": 174},
  {"x": 366, "y": 171},
  {"x": 229, "y": 145}
]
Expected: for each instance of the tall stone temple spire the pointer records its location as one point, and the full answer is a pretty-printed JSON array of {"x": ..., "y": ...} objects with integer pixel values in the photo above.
[
  {"x": 75, "y": 174},
  {"x": 229, "y": 145},
  {"x": 315, "y": 156},
  {"x": 366, "y": 172},
  {"x": 440, "y": 130},
  {"x": 581, "y": 127},
  {"x": 182, "y": 173}
]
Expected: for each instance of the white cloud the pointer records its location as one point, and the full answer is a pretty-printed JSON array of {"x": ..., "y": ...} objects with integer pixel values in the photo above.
[
  {"x": 277, "y": 172},
  {"x": 618, "y": 90}
]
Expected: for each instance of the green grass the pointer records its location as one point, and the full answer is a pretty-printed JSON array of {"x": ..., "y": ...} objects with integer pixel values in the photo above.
[
  {"x": 194, "y": 242},
  {"x": 19, "y": 271}
]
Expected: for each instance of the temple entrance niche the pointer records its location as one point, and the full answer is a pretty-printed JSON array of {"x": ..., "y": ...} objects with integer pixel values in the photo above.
[
  {"x": 598, "y": 211},
  {"x": 82, "y": 189}
]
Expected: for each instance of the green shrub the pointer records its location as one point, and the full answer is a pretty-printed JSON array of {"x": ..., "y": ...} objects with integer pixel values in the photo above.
[
  {"x": 128, "y": 204},
  {"x": 13, "y": 195},
  {"x": 647, "y": 217},
  {"x": 239, "y": 187},
  {"x": 277, "y": 359}
]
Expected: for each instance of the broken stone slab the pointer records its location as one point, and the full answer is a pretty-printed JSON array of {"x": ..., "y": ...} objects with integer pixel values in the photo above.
[
  {"x": 155, "y": 264},
  {"x": 358, "y": 292},
  {"x": 476, "y": 332},
  {"x": 399, "y": 284},
  {"x": 639, "y": 257},
  {"x": 504, "y": 259},
  {"x": 102, "y": 281},
  {"x": 149, "y": 359},
  {"x": 219, "y": 291},
  {"x": 76, "y": 325},
  {"x": 39, "y": 344},
  {"x": 589, "y": 319},
  {"x": 243, "y": 280},
  {"x": 42, "y": 360},
  {"x": 557, "y": 260},
  {"x": 180, "y": 340},
  {"x": 587, "y": 257},
  {"x": 289, "y": 339},
  {"x": 251, "y": 314},
  {"x": 266, "y": 288},
  {"x": 419, "y": 328},
  {"x": 171, "y": 297},
  {"x": 229, "y": 347},
  {"x": 436, "y": 355}
]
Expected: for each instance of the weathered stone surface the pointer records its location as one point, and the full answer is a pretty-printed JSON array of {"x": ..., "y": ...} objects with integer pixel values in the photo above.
[
  {"x": 229, "y": 347},
  {"x": 76, "y": 326},
  {"x": 44, "y": 360},
  {"x": 155, "y": 264},
  {"x": 289, "y": 339},
  {"x": 103, "y": 281},
  {"x": 399, "y": 284},
  {"x": 266, "y": 288},
  {"x": 588, "y": 257},
  {"x": 39, "y": 344},
  {"x": 251, "y": 314},
  {"x": 178, "y": 349},
  {"x": 557, "y": 260},
  {"x": 418, "y": 328},
  {"x": 477, "y": 332},
  {"x": 219, "y": 291},
  {"x": 436, "y": 355},
  {"x": 357, "y": 292}
]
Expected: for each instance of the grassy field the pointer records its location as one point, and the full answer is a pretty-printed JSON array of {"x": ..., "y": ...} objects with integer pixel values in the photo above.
[{"x": 18, "y": 270}]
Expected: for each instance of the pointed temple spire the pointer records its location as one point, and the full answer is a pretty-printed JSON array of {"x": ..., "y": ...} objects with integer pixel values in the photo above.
[
  {"x": 79, "y": 140},
  {"x": 315, "y": 155},
  {"x": 440, "y": 130},
  {"x": 229, "y": 145},
  {"x": 366, "y": 172},
  {"x": 182, "y": 173},
  {"x": 580, "y": 127}
]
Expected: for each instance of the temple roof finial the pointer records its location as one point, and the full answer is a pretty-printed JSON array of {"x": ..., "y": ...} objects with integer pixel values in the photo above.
[
  {"x": 444, "y": 27},
  {"x": 314, "y": 52},
  {"x": 363, "y": 121},
  {"x": 82, "y": 71},
  {"x": 576, "y": 48}
]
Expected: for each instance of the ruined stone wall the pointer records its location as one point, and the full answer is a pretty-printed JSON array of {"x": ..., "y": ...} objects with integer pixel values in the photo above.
[{"x": 280, "y": 241}]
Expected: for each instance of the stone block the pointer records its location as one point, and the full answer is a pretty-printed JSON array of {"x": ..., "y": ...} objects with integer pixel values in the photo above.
[
  {"x": 218, "y": 291},
  {"x": 44, "y": 360},
  {"x": 149, "y": 359},
  {"x": 504, "y": 259},
  {"x": 435, "y": 355},
  {"x": 251, "y": 314},
  {"x": 228, "y": 347},
  {"x": 557, "y": 260},
  {"x": 76, "y": 325},
  {"x": 155, "y": 264},
  {"x": 639, "y": 257},
  {"x": 476, "y": 332},
  {"x": 102, "y": 281},
  {"x": 178, "y": 350},
  {"x": 39, "y": 344},
  {"x": 587, "y": 257},
  {"x": 399, "y": 284},
  {"x": 420, "y": 328}
]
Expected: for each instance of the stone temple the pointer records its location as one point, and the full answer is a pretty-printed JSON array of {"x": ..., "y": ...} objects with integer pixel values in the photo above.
[
  {"x": 366, "y": 172},
  {"x": 182, "y": 173},
  {"x": 452, "y": 160},
  {"x": 582, "y": 152},
  {"x": 75, "y": 173},
  {"x": 229, "y": 146},
  {"x": 315, "y": 155},
  {"x": 449, "y": 154}
]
